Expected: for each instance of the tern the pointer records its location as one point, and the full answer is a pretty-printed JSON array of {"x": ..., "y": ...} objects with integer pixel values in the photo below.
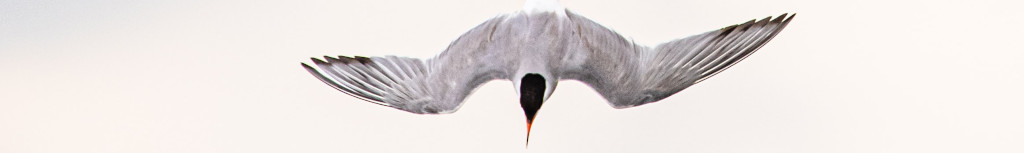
[{"x": 535, "y": 48}]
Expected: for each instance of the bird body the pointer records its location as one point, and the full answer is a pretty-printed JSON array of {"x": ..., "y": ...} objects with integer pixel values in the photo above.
[{"x": 536, "y": 48}]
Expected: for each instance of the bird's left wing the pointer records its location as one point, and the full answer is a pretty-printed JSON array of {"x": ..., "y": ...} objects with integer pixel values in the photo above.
[
  {"x": 434, "y": 86},
  {"x": 388, "y": 81}
]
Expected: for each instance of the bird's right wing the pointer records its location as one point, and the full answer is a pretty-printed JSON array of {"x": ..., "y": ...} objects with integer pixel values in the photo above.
[
  {"x": 629, "y": 75},
  {"x": 434, "y": 86}
]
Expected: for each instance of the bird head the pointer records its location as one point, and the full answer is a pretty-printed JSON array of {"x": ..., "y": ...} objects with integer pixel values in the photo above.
[{"x": 534, "y": 89}]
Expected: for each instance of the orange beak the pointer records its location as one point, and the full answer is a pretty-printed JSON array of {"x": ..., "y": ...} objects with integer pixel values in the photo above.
[{"x": 528, "y": 124}]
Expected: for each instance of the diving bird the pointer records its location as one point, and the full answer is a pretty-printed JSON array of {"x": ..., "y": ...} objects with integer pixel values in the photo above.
[{"x": 535, "y": 48}]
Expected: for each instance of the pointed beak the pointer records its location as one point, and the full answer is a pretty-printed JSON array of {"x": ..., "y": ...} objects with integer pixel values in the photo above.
[{"x": 529, "y": 123}]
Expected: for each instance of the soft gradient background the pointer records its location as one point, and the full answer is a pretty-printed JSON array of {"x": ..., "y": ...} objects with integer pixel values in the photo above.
[{"x": 875, "y": 76}]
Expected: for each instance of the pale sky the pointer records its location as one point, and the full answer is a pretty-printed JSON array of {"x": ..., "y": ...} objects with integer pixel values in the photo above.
[{"x": 224, "y": 77}]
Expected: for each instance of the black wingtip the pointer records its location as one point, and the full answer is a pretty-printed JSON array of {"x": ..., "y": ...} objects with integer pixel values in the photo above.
[
  {"x": 769, "y": 18},
  {"x": 332, "y": 59},
  {"x": 786, "y": 21},
  {"x": 763, "y": 22},
  {"x": 727, "y": 30},
  {"x": 363, "y": 60},
  {"x": 316, "y": 61},
  {"x": 345, "y": 59},
  {"x": 746, "y": 26},
  {"x": 340, "y": 59},
  {"x": 785, "y": 17},
  {"x": 749, "y": 22}
]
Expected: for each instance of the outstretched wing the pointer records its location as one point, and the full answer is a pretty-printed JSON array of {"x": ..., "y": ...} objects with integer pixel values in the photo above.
[
  {"x": 629, "y": 75},
  {"x": 438, "y": 85}
]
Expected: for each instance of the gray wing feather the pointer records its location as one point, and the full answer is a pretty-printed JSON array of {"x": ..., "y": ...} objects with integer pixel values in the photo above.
[
  {"x": 397, "y": 82},
  {"x": 437, "y": 85},
  {"x": 660, "y": 71}
]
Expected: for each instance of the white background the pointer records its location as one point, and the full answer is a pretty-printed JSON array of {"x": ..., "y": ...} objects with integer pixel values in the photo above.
[{"x": 204, "y": 77}]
